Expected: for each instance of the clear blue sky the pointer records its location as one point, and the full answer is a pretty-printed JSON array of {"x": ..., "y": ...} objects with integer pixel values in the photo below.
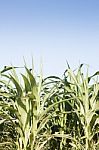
[{"x": 54, "y": 30}]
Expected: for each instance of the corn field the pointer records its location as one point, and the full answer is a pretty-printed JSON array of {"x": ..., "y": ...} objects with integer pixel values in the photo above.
[{"x": 49, "y": 113}]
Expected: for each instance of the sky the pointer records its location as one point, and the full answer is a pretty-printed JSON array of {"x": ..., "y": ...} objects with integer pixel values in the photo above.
[{"x": 50, "y": 31}]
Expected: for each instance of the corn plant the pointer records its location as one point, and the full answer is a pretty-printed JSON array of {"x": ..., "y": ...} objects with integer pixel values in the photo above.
[
  {"x": 50, "y": 113},
  {"x": 31, "y": 109},
  {"x": 24, "y": 101},
  {"x": 85, "y": 105}
]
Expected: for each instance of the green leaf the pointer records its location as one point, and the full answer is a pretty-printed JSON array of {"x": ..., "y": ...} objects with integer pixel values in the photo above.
[
  {"x": 2, "y": 121},
  {"x": 7, "y": 68},
  {"x": 19, "y": 90},
  {"x": 27, "y": 84},
  {"x": 32, "y": 79}
]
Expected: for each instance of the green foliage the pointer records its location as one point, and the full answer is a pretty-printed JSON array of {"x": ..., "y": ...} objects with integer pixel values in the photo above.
[{"x": 50, "y": 113}]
